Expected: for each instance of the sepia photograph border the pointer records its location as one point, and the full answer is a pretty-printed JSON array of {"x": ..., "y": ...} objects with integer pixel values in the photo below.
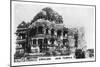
[{"x": 47, "y": 3}]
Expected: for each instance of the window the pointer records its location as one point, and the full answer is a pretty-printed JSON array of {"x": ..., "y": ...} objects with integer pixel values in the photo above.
[
  {"x": 47, "y": 30},
  {"x": 52, "y": 40},
  {"x": 34, "y": 41},
  {"x": 52, "y": 31},
  {"x": 59, "y": 33},
  {"x": 45, "y": 41},
  {"x": 40, "y": 41},
  {"x": 40, "y": 30},
  {"x": 33, "y": 31}
]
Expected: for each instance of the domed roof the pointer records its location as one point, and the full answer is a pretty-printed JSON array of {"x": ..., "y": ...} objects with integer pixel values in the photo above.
[{"x": 48, "y": 14}]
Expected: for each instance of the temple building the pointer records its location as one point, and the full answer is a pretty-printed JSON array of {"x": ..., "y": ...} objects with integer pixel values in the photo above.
[
  {"x": 40, "y": 36},
  {"x": 45, "y": 35}
]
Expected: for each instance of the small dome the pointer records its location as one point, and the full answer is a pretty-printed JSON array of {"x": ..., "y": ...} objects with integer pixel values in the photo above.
[{"x": 22, "y": 25}]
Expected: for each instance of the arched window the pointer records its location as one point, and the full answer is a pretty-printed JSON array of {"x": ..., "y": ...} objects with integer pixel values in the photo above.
[{"x": 40, "y": 30}]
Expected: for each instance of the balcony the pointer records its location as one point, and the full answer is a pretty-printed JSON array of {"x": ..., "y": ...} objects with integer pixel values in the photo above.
[{"x": 21, "y": 41}]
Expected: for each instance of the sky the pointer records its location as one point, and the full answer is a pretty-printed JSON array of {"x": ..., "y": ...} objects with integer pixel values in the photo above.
[{"x": 73, "y": 16}]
